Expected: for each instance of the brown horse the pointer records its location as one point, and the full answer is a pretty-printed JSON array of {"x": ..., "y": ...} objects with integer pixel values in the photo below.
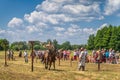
[
  {"x": 49, "y": 55},
  {"x": 49, "y": 58},
  {"x": 59, "y": 55}
]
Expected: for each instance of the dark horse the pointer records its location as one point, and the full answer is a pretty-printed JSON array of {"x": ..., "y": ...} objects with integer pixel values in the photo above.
[
  {"x": 49, "y": 55},
  {"x": 49, "y": 58}
]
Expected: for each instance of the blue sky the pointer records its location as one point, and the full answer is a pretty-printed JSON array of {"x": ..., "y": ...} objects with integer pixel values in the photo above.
[
  {"x": 15, "y": 8},
  {"x": 64, "y": 20}
]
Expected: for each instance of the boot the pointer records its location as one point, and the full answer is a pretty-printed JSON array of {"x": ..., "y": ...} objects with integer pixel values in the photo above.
[
  {"x": 83, "y": 68},
  {"x": 80, "y": 68}
]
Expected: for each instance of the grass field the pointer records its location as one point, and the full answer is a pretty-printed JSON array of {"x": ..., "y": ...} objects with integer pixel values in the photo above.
[{"x": 19, "y": 70}]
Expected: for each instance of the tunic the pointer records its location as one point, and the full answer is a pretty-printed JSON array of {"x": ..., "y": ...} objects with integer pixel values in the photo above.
[{"x": 82, "y": 57}]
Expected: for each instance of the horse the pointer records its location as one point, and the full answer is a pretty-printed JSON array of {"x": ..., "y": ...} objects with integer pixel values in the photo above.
[
  {"x": 59, "y": 54},
  {"x": 49, "y": 58},
  {"x": 49, "y": 55}
]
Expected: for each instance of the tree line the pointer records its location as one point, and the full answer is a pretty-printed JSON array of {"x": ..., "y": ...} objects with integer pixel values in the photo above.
[
  {"x": 107, "y": 37},
  {"x": 22, "y": 45}
]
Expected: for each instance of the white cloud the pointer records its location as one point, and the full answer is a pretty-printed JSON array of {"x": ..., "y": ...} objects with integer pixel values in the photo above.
[
  {"x": 36, "y": 17},
  {"x": 89, "y": 30},
  {"x": 31, "y": 29},
  {"x": 55, "y": 11},
  {"x": 101, "y": 18},
  {"x": 62, "y": 1},
  {"x": 112, "y": 6},
  {"x": 59, "y": 29},
  {"x": 80, "y": 9},
  {"x": 49, "y": 6},
  {"x": 12, "y": 33},
  {"x": 75, "y": 34},
  {"x": 103, "y": 25},
  {"x": 15, "y": 22},
  {"x": 73, "y": 29},
  {"x": 2, "y": 31},
  {"x": 83, "y": 12},
  {"x": 59, "y": 34},
  {"x": 41, "y": 25}
]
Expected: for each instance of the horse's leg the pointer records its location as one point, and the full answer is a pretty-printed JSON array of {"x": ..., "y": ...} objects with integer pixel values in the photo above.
[
  {"x": 59, "y": 60},
  {"x": 46, "y": 63},
  {"x": 43, "y": 60},
  {"x": 54, "y": 65},
  {"x": 36, "y": 58},
  {"x": 50, "y": 64}
]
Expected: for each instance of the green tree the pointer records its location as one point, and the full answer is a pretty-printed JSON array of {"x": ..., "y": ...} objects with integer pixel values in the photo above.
[
  {"x": 107, "y": 37},
  {"x": 49, "y": 40},
  {"x": 36, "y": 47},
  {"x": 90, "y": 43},
  {"x": 4, "y": 42},
  {"x": 98, "y": 40},
  {"x": 66, "y": 45},
  {"x": 115, "y": 38},
  {"x": 22, "y": 45},
  {"x": 55, "y": 43}
]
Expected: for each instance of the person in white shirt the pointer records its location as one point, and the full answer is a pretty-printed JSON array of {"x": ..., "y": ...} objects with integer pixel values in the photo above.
[
  {"x": 82, "y": 58},
  {"x": 26, "y": 56}
]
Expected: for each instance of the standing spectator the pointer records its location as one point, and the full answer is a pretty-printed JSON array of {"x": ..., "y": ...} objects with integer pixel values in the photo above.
[
  {"x": 71, "y": 55},
  {"x": 99, "y": 56},
  {"x": 20, "y": 53},
  {"x": 8, "y": 53},
  {"x": 65, "y": 55},
  {"x": 114, "y": 57},
  {"x": 82, "y": 58},
  {"x": 75, "y": 55},
  {"x": 90, "y": 58},
  {"x": 12, "y": 55},
  {"x": 117, "y": 57},
  {"x": 110, "y": 56},
  {"x": 103, "y": 55},
  {"x": 68, "y": 54},
  {"x": 37, "y": 55},
  {"x": 26, "y": 56},
  {"x": 86, "y": 53},
  {"x": 94, "y": 56},
  {"x": 107, "y": 56}
]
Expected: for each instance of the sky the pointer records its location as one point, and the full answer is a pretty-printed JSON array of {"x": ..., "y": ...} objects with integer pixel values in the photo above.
[{"x": 63, "y": 20}]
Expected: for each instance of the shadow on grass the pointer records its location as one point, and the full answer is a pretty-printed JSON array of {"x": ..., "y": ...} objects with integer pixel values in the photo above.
[
  {"x": 59, "y": 70},
  {"x": 64, "y": 65},
  {"x": 102, "y": 70}
]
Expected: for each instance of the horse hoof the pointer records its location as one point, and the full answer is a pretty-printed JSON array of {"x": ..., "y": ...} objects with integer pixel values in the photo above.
[{"x": 46, "y": 67}]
